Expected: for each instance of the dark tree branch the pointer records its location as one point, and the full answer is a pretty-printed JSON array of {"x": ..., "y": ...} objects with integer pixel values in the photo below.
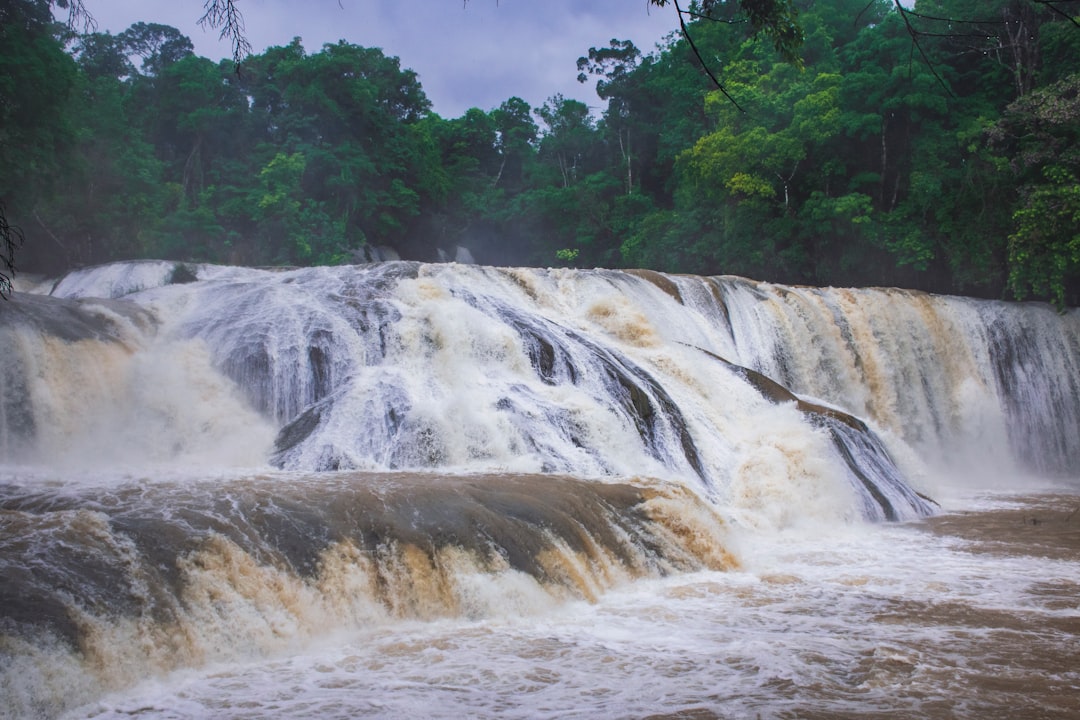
[
  {"x": 861, "y": 12},
  {"x": 923, "y": 33},
  {"x": 11, "y": 238},
  {"x": 1053, "y": 5},
  {"x": 224, "y": 15},
  {"x": 918, "y": 46},
  {"x": 697, "y": 53},
  {"x": 710, "y": 18},
  {"x": 78, "y": 16},
  {"x": 922, "y": 16}
]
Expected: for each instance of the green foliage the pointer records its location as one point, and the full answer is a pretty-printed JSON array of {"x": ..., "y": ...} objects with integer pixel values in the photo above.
[
  {"x": 852, "y": 157},
  {"x": 777, "y": 20},
  {"x": 1045, "y": 249},
  {"x": 1040, "y": 136},
  {"x": 159, "y": 46},
  {"x": 36, "y": 78}
]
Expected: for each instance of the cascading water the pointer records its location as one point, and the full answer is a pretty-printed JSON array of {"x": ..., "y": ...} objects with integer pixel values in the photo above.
[
  {"x": 959, "y": 379},
  {"x": 206, "y": 464}
]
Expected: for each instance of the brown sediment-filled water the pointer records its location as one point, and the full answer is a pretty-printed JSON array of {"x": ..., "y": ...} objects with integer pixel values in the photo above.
[
  {"x": 1040, "y": 526},
  {"x": 970, "y": 614},
  {"x": 409, "y": 490}
]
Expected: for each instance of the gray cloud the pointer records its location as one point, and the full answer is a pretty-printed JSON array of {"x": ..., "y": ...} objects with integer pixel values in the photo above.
[{"x": 473, "y": 54}]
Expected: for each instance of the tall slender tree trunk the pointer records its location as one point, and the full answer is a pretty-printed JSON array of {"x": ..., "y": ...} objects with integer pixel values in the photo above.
[
  {"x": 625, "y": 150},
  {"x": 193, "y": 168},
  {"x": 1021, "y": 31},
  {"x": 884, "y": 158}
]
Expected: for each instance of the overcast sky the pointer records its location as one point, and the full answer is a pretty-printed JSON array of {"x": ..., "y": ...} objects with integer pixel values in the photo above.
[{"x": 474, "y": 54}]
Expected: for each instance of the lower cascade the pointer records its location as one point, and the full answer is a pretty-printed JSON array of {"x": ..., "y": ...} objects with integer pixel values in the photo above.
[{"x": 217, "y": 469}]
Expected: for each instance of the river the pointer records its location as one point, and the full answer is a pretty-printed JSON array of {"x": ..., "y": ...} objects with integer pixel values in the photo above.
[{"x": 408, "y": 490}]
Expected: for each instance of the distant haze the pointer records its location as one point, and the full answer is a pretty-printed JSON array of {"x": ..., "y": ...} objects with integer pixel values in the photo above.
[{"x": 474, "y": 54}]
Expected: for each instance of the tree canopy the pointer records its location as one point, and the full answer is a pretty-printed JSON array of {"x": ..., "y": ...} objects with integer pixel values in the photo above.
[{"x": 904, "y": 147}]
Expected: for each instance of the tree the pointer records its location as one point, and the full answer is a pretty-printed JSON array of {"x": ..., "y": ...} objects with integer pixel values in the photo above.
[
  {"x": 36, "y": 77},
  {"x": 972, "y": 34},
  {"x": 615, "y": 65},
  {"x": 103, "y": 55},
  {"x": 1040, "y": 136},
  {"x": 516, "y": 137},
  {"x": 765, "y": 190},
  {"x": 859, "y": 163},
  {"x": 158, "y": 45},
  {"x": 777, "y": 20},
  {"x": 567, "y": 138},
  {"x": 354, "y": 114}
]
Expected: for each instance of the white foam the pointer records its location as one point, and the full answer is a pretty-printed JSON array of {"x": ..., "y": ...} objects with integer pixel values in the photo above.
[{"x": 853, "y": 619}]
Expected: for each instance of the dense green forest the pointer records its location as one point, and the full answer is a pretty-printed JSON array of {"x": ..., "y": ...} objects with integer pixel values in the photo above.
[{"x": 937, "y": 150}]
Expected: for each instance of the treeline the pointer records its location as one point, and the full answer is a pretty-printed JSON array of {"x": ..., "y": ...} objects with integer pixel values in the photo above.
[{"x": 937, "y": 149}]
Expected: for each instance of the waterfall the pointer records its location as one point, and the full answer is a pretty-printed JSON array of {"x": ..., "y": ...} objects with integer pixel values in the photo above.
[
  {"x": 403, "y": 366},
  {"x": 961, "y": 380},
  {"x": 201, "y": 464}
]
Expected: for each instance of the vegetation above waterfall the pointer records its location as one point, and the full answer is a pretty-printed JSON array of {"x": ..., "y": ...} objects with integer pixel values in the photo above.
[{"x": 950, "y": 165}]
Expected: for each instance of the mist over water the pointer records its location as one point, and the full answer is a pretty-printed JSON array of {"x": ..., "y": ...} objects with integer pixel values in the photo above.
[{"x": 404, "y": 489}]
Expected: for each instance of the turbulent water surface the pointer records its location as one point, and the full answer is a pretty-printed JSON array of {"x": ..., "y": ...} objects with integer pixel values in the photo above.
[{"x": 404, "y": 490}]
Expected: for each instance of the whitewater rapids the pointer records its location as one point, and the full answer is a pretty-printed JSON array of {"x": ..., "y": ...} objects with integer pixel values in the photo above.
[{"x": 221, "y": 476}]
